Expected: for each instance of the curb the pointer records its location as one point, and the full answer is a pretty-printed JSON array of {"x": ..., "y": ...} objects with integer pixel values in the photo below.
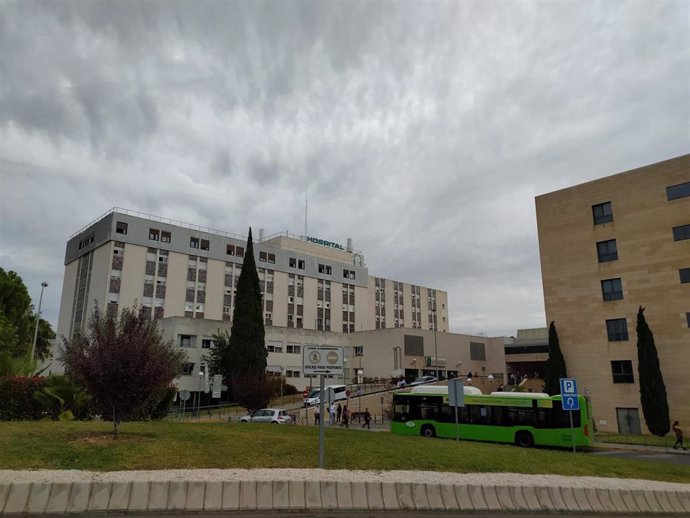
[{"x": 88, "y": 497}]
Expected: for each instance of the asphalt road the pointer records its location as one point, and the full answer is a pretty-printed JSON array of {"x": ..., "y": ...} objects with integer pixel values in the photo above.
[
  {"x": 661, "y": 456},
  {"x": 371, "y": 514}
]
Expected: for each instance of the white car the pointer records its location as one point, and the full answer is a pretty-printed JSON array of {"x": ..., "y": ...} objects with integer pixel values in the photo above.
[
  {"x": 422, "y": 380},
  {"x": 268, "y": 415}
]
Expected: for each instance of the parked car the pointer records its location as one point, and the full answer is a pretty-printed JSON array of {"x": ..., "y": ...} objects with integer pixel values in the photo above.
[
  {"x": 268, "y": 415},
  {"x": 422, "y": 380}
]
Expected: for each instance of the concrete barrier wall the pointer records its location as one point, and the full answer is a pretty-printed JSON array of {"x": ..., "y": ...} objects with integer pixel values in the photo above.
[{"x": 88, "y": 497}]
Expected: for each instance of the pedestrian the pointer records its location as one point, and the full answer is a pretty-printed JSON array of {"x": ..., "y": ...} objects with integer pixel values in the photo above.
[
  {"x": 500, "y": 388},
  {"x": 339, "y": 413},
  {"x": 679, "y": 436},
  {"x": 332, "y": 413},
  {"x": 346, "y": 417},
  {"x": 367, "y": 419},
  {"x": 317, "y": 418}
]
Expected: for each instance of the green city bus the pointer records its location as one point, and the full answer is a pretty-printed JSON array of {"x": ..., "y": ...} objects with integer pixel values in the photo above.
[{"x": 522, "y": 418}]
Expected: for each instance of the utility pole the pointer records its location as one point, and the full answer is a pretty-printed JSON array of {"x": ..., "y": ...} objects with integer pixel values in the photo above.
[{"x": 44, "y": 284}]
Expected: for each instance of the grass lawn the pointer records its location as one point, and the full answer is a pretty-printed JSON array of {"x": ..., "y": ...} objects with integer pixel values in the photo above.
[{"x": 167, "y": 445}]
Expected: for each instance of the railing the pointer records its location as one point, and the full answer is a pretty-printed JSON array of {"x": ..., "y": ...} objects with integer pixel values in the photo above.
[{"x": 160, "y": 219}]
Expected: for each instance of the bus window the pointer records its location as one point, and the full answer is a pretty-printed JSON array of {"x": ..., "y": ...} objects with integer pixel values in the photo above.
[
  {"x": 561, "y": 417},
  {"x": 522, "y": 416}
]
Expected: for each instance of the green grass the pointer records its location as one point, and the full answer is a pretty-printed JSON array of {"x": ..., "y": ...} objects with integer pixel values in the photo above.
[
  {"x": 643, "y": 440},
  {"x": 168, "y": 445}
]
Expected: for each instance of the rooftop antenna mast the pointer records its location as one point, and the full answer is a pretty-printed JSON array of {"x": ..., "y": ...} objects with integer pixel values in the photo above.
[{"x": 305, "y": 214}]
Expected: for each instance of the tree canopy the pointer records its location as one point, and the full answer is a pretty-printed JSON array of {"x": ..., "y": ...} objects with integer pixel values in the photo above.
[
  {"x": 652, "y": 387},
  {"x": 17, "y": 322},
  {"x": 555, "y": 365},
  {"x": 243, "y": 352},
  {"x": 122, "y": 363}
]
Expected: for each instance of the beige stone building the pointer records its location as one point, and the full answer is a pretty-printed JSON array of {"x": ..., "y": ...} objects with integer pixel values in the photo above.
[{"x": 607, "y": 247}]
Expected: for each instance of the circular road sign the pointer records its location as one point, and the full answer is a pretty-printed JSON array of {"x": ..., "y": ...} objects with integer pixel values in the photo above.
[{"x": 185, "y": 395}]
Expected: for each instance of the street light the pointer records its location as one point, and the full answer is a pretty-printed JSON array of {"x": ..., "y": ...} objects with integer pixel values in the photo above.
[
  {"x": 198, "y": 400},
  {"x": 344, "y": 369},
  {"x": 44, "y": 285},
  {"x": 433, "y": 310}
]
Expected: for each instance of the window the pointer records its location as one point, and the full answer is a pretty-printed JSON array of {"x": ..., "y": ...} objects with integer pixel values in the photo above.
[
  {"x": 349, "y": 274},
  {"x": 359, "y": 350},
  {"x": 154, "y": 234},
  {"x": 193, "y": 242},
  {"x": 300, "y": 264},
  {"x": 687, "y": 317},
  {"x": 292, "y": 262},
  {"x": 263, "y": 257},
  {"x": 602, "y": 213},
  {"x": 207, "y": 343},
  {"x": 272, "y": 258},
  {"x": 274, "y": 348},
  {"x": 186, "y": 341},
  {"x": 165, "y": 236},
  {"x": 678, "y": 191},
  {"x": 684, "y": 275},
  {"x": 622, "y": 372},
  {"x": 617, "y": 330},
  {"x": 187, "y": 369},
  {"x": 607, "y": 251},
  {"x": 239, "y": 251},
  {"x": 682, "y": 232},
  {"x": 612, "y": 289},
  {"x": 230, "y": 249},
  {"x": 121, "y": 228},
  {"x": 325, "y": 269},
  {"x": 477, "y": 351},
  {"x": 204, "y": 244},
  {"x": 289, "y": 373},
  {"x": 293, "y": 349}
]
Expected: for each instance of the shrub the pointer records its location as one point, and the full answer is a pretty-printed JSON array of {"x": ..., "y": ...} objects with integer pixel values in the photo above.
[{"x": 18, "y": 402}]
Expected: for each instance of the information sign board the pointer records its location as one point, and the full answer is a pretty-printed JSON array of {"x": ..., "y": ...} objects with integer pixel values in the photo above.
[
  {"x": 322, "y": 359},
  {"x": 569, "y": 399}
]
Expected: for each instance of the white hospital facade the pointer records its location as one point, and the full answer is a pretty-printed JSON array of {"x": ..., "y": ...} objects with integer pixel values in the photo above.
[{"x": 315, "y": 291}]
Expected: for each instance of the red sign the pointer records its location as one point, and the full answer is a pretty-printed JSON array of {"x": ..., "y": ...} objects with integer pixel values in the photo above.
[{"x": 347, "y": 392}]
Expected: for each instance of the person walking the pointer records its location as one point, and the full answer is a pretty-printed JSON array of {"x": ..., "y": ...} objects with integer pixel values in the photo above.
[
  {"x": 332, "y": 412},
  {"x": 338, "y": 413},
  {"x": 679, "y": 435},
  {"x": 346, "y": 417},
  {"x": 367, "y": 419},
  {"x": 317, "y": 417}
]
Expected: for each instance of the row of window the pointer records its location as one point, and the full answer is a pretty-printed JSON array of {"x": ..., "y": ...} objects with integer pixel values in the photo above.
[
  {"x": 603, "y": 212},
  {"x": 617, "y": 329}
]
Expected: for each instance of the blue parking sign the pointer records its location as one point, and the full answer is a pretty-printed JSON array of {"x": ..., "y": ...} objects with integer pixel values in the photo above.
[{"x": 569, "y": 399}]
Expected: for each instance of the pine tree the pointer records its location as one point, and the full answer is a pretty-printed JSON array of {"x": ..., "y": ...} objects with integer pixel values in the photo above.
[
  {"x": 555, "y": 365},
  {"x": 652, "y": 388},
  {"x": 243, "y": 353}
]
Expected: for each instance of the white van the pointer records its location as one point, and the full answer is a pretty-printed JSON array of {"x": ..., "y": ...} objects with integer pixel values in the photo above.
[{"x": 333, "y": 393}]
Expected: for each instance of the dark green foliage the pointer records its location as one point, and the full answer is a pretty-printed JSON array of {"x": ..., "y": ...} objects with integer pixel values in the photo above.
[
  {"x": 289, "y": 390},
  {"x": 122, "y": 363},
  {"x": 243, "y": 352},
  {"x": 555, "y": 365},
  {"x": 63, "y": 399},
  {"x": 17, "y": 321},
  {"x": 253, "y": 390},
  {"x": 652, "y": 387},
  {"x": 18, "y": 402}
]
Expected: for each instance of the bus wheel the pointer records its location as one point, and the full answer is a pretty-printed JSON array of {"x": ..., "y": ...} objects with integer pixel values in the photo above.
[
  {"x": 428, "y": 431},
  {"x": 524, "y": 439}
]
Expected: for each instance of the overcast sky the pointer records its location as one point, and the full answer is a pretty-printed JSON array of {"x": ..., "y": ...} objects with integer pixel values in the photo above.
[{"x": 423, "y": 130}]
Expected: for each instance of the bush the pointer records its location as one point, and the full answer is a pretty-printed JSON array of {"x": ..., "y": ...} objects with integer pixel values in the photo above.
[
  {"x": 62, "y": 398},
  {"x": 18, "y": 401},
  {"x": 289, "y": 390}
]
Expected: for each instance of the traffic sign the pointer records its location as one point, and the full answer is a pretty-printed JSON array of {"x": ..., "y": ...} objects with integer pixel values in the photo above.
[
  {"x": 456, "y": 393},
  {"x": 185, "y": 395},
  {"x": 322, "y": 359},
  {"x": 569, "y": 399}
]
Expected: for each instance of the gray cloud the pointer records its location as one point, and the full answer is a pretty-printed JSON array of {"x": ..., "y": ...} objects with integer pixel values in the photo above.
[{"x": 423, "y": 131}]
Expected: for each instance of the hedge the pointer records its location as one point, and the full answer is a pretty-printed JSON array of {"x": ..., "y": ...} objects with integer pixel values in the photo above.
[{"x": 17, "y": 402}]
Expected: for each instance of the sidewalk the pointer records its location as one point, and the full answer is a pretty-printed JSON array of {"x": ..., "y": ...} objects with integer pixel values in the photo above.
[
  {"x": 292, "y": 490},
  {"x": 640, "y": 447}
]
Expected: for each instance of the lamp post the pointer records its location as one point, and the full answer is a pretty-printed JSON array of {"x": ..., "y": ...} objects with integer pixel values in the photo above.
[
  {"x": 433, "y": 310},
  {"x": 198, "y": 399},
  {"x": 344, "y": 369},
  {"x": 44, "y": 284}
]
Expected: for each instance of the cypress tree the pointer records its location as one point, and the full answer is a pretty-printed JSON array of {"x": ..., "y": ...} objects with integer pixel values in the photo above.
[
  {"x": 555, "y": 365},
  {"x": 247, "y": 336},
  {"x": 652, "y": 387}
]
